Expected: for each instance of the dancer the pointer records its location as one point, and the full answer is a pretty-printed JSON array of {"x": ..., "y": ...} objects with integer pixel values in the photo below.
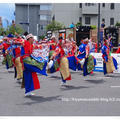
[
  {"x": 85, "y": 59},
  {"x": 7, "y": 57},
  {"x": 53, "y": 44},
  {"x": 109, "y": 63},
  {"x": 62, "y": 61},
  {"x": 31, "y": 66},
  {"x": 15, "y": 48}
]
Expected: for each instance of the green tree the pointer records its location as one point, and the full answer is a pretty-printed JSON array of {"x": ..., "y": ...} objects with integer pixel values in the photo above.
[
  {"x": 117, "y": 24},
  {"x": 14, "y": 28},
  {"x": 78, "y": 24},
  {"x": 93, "y": 26},
  {"x": 1, "y": 31},
  {"x": 54, "y": 25},
  {"x": 43, "y": 36}
]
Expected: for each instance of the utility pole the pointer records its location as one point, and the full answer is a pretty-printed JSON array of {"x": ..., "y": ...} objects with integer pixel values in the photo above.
[
  {"x": 7, "y": 22},
  {"x": 28, "y": 19},
  {"x": 98, "y": 33},
  {"x": 37, "y": 31}
]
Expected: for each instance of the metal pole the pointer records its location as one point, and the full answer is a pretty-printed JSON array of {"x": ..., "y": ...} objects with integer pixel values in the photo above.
[
  {"x": 37, "y": 31},
  {"x": 28, "y": 18},
  {"x": 98, "y": 34},
  {"x": 7, "y": 22}
]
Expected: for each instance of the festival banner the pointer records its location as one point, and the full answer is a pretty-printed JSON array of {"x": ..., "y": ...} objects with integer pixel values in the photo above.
[{"x": 99, "y": 62}]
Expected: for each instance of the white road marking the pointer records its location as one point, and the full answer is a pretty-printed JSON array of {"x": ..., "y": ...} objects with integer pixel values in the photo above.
[{"x": 115, "y": 86}]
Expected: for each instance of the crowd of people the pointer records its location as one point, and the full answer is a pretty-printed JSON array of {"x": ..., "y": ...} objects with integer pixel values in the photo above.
[{"x": 29, "y": 57}]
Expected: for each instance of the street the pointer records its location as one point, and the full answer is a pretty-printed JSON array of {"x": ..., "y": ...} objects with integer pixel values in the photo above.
[{"x": 94, "y": 95}]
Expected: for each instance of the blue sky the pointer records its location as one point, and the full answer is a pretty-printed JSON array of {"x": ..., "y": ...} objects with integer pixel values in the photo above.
[{"x": 7, "y": 12}]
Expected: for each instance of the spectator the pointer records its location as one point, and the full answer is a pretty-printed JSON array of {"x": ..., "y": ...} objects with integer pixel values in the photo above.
[{"x": 103, "y": 24}]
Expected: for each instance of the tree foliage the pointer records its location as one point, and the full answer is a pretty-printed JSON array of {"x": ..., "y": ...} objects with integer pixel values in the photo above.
[
  {"x": 93, "y": 26},
  {"x": 54, "y": 25},
  {"x": 117, "y": 24},
  {"x": 43, "y": 36},
  {"x": 1, "y": 31},
  {"x": 78, "y": 24},
  {"x": 14, "y": 28}
]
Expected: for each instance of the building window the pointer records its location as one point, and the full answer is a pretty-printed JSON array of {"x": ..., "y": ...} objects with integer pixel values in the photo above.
[
  {"x": 80, "y": 19},
  {"x": 45, "y": 17},
  {"x": 103, "y": 5},
  {"x": 46, "y": 7},
  {"x": 103, "y": 20},
  {"x": 80, "y": 5},
  {"x": 89, "y": 4},
  {"x": 112, "y": 6},
  {"x": 48, "y": 17},
  {"x": 87, "y": 20},
  {"x": 43, "y": 27},
  {"x": 111, "y": 21}
]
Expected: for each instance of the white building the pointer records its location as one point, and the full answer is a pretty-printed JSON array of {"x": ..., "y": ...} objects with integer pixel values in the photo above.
[
  {"x": 39, "y": 15},
  {"x": 86, "y": 13}
]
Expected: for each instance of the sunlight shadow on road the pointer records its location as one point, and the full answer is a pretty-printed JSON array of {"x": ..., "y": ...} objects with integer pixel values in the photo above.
[
  {"x": 10, "y": 71},
  {"x": 96, "y": 81},
  {"x": 76, "y": 72},
  {"x": 113, "y": 76},
  {"x": 40, "y": 99},
  {"x": 55, "y": 77},
  {"x": 68, "y": 87}
]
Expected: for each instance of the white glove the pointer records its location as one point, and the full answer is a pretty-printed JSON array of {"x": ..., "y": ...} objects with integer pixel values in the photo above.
[
  {"x": 50, "y": 64},
  {"x": 82, "y": 61}
]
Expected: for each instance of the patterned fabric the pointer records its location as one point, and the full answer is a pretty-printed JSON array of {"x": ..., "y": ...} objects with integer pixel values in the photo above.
[
  {"x": 19, "y": 68},
  {"x": 9, "y": 61},
  {"x": 64, "y": 68},
  {"x": 33, "y": 62},
  {"x": 90, "y": 64},
  {"x": 41, "y": 54},
  {"x": 110, "y": 66},
  {"x": 56, "y": 65}
]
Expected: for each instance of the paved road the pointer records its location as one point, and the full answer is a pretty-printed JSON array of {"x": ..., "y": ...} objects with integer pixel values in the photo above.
[{"x": 93, "y": 95}]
